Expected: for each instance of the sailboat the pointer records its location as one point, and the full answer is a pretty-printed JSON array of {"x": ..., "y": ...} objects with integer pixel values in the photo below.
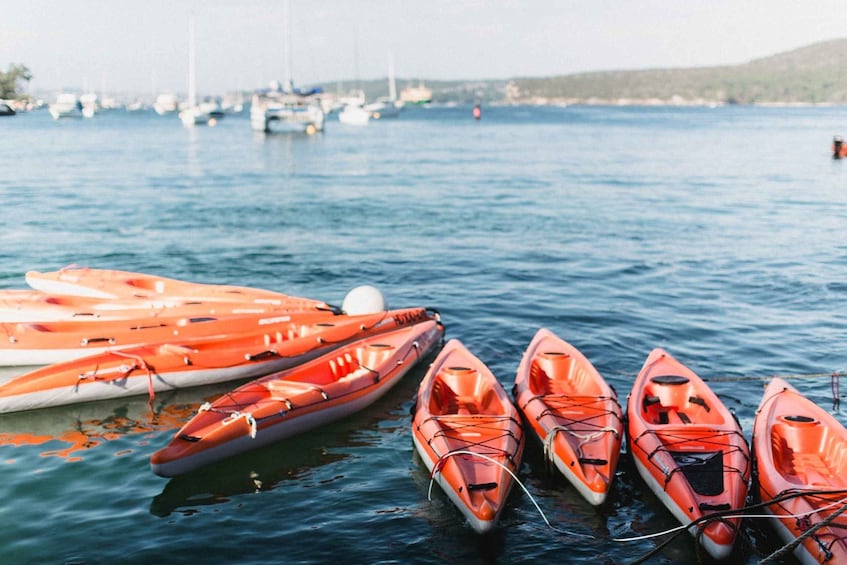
[
  {"x": 386, "y": 107},
  {"x": 285, "y": 108},
  {"x": 193, "y": 114}
]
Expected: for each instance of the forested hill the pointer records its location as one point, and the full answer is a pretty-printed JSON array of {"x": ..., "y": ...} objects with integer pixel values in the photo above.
[{"x": 816, "y": 74}]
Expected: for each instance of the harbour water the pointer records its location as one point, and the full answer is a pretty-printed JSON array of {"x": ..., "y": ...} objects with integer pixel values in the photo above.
[{"x": 715, "y": 233}]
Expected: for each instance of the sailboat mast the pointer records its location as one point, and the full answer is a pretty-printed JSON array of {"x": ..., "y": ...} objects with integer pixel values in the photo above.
[
  {"x": 289, "y": 58},
  {"x": 392, "y": 87},
  {"x": 192, "y": 78}
]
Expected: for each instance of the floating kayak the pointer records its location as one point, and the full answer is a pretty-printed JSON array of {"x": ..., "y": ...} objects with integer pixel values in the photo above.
[
  {"x": 166, "y": 365},
  {"x": 688, "y": 448},
  {"x": 799, "y": 447},
  {"x": 468, "y": 434},
  {"x": 113, "y": 284},
  {"x": 284, "y": 404},
  {"x": 43, "y": 343},
  {"x": 37, "y": 306},
  {"x": 572, "y": 411}
]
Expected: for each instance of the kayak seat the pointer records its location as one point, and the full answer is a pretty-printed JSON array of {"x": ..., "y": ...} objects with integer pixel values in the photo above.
[
  {"x": 466, "y": 405},
  {"x": 443, "y": 399},
  {"x": 539, "y": 381},
  {"x": 814, "y": 457}
]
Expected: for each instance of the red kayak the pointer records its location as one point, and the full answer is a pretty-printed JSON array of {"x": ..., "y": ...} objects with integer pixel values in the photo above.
[
  {"x": 572, "y": 411},
  {"x": 688, "y": 448},
  {"x": 291, "y": 402},
  {"x": 800, "y": 448},
  {"x": 468, "y": 434}
]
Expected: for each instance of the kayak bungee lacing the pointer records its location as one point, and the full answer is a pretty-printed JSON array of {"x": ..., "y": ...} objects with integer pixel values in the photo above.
[
  {"x": 556, "y": 403},
  {"x": 483, "y": 423},
  {"x": 710, "y": 440},
  {"x": 440, "y": 463}
]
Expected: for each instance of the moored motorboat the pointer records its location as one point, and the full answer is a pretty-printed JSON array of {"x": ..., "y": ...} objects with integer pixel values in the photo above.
[
  {"x": 354, "y": 115},
  {"x": 179, "y": 363},
  {"x": 468, "y": 434},
  {"x": 689, "y": 449},
  {"x": 801, "y": 449},
  {"x": 291, "y": 402},
  {"x": 67, "y": 105},
  {"x": 572, "y": 411},
  {"x": 274, "y": 110}
]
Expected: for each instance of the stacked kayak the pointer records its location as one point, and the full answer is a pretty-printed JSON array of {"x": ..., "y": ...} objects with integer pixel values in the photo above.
[
  {"x": 41, "y": 343},
  {"x": 689, "y": 449},
  {"x": 84, "y": 294},
  {"x": 102, "y": 310},
  {"x": 37, "y": 306},
  {"x": 572, "y": 411},
  {"x": 111, "y": 284},
  {"x": 260, "y": 348},
  {"x": 468, "y": 434},
  {"x": 801, "y": 450},
  {"x": 280, "y": 405}
]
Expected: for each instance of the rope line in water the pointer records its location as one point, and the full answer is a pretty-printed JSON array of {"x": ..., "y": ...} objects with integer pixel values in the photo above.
[
  {"x": 439, "y": 464},
  {"x": 741, "y": 513},
  {"x": 742, "y": 378}
]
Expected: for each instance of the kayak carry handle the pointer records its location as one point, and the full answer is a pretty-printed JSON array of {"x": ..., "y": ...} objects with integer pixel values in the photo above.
[
  {"x": 591, "y": 461},
  {"x": 481, "y": 486}
]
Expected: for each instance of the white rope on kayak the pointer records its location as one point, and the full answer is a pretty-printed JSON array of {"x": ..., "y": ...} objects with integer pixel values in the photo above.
[
  {"x": 440, "y": 463},
  {"x": 248, "y": 417},
  {"x": 584, "y": 438}
]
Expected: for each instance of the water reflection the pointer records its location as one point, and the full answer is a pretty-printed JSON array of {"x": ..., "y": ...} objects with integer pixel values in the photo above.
[
  {"x": 255, "y": 471},
  {"x": 67, "y": 431}
]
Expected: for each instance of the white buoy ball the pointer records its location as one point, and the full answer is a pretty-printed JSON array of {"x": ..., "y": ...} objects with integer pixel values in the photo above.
[{"x": 364, "y": 300}]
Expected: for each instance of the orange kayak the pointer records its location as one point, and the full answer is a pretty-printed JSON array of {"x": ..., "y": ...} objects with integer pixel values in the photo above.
[
  {"x": 468, "y": 434},
  {"x": 573, "y": 412},
  {"x": 180, "y": 363},
  {"x": 688, "y": 448},
  {"x": 291, "y": 402},
  {"x": 37, "y": 306},
  {"x": 800, "y": 447},
  {"x": 111, "y": 284},
  {"x": 43, "y": 343}
]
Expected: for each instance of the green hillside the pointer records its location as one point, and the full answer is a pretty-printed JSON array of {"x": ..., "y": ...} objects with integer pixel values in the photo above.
[{"x": 814, "y": 74}]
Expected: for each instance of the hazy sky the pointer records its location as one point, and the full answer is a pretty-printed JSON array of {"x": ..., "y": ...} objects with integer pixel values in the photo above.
[{"x": 142, "y": 46}]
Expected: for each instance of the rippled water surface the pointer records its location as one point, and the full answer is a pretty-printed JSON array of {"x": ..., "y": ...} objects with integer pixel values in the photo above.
[{"x": 718, "y": 234}]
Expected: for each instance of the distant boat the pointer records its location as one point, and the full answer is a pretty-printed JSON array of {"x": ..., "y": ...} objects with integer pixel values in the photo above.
[
  {"x": 90, "y": 104},
  {"x": 416, "y": 94},
  {"x": 287, "y": 109},
  {"x": 355, "y": 115},
  {"x": 386, "y": 107},
  {"x": 6, "y": 110},
  {"x": 166, "y": 104},
  {"x": 276, "y": 109},
  {"x": 67, "y": 105},
  {"x": 194, "y": 114}
]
